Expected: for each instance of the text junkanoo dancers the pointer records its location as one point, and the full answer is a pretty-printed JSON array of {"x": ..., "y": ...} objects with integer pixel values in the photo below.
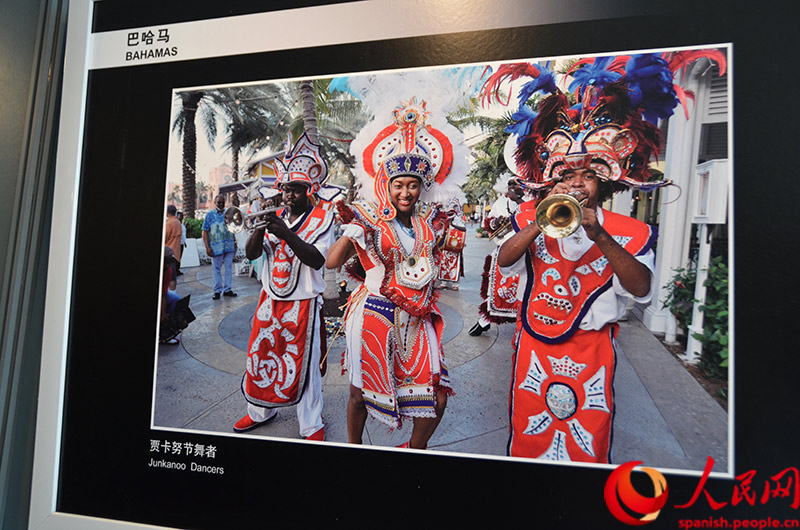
[
  {"x": 574, "y": 289},
  {"x": 393, "y": 327}
]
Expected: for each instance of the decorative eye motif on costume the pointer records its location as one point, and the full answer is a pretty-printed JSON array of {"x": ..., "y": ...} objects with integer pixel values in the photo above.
[
  {"x": 314, "y": 171},
  {"x": 560, "y": 290},
  {"x": 410, "y": 117},
  {"x": 542, "y": 153},
  {"x": 574, "y": 285},
  {"x": 624, "y": 144}
]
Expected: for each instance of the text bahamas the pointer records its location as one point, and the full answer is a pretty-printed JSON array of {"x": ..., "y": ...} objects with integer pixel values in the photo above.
[
  {"x": 151, "y": 54},
  {"x": 181, "y": 466}
]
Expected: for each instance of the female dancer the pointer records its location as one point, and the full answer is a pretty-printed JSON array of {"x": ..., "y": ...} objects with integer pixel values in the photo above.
[{"x": 394, "y": 354}]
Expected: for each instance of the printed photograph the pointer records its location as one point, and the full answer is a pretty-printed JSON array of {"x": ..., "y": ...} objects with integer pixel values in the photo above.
[{"x": 524, "y": 260}]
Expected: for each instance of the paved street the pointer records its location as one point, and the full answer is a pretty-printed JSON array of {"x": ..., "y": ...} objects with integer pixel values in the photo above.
[{"x": 664, "y": 417}]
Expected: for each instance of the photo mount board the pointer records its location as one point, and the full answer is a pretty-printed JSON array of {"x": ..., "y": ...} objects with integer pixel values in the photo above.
[{"x": 93, "y": 433}]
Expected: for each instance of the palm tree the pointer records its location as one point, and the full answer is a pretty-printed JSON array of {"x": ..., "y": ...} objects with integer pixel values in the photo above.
[
  {"x": 203, "y": 190},
  {"x": 309, "y": 110},
  {"x": 184, "y": 127},
  {"x": 253, "y": 117},
  {"x": 175, "y": 195},
  {"x": 331, "y": 121},
  {"x": 340, "y": 117},
  {"x": 488, "y": 152}
]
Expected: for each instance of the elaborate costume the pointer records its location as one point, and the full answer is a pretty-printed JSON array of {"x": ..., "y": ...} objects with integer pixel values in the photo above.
[
  {"x": 562, "y": 396},
  {"x": 393, "y": 326},
  {"x": 561, "y": 402},
  {"x": 288, "y": 336},
  {"x": 451, "y": 267},
  {"x": 498, "y": 291}
]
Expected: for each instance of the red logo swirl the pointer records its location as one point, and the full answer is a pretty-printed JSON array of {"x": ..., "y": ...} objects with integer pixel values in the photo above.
[{"x": 628, "y": 505}]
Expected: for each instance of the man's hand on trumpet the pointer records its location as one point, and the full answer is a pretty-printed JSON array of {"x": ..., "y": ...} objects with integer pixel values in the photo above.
[{"x": 275, "y": 226}]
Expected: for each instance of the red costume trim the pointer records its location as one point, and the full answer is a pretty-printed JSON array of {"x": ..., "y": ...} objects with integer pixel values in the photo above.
[
  {"x": 401, "y": 274},
  {"x": 494, "y": 307}
]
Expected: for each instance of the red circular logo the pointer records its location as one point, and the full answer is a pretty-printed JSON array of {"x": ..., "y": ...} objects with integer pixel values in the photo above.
[{"x": 627, "y": 504}]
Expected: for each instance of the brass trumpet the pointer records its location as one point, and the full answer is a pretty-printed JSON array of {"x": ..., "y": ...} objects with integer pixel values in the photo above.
[
  {"x": 502, "y": 230},
  {"x": 236, "y": 220},
  {"x": 559, "y": 215}
]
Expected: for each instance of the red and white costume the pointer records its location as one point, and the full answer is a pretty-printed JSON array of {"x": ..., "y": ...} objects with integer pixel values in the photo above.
[
  {"x": 452, "y": 265},
  {"x": 561, "y": 401},
  {"x": 570, "y": 300},
  {"x": 498, "y": 291},
  {"x": 288, "y": 336},
  {"x": 393, "y": 326}
]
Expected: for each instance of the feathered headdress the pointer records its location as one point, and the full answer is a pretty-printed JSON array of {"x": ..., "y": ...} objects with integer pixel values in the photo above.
[
  {"x": 612, "y": 126},
  {"x": 409, "y": 134}
]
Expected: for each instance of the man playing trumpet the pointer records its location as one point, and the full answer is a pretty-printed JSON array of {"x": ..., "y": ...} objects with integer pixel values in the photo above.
[
  {"x": 574, "y": 285},
  {"x": 288, "y": 340}
]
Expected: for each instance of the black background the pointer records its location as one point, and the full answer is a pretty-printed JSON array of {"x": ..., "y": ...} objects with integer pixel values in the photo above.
[{"x": 106, "y": 437}]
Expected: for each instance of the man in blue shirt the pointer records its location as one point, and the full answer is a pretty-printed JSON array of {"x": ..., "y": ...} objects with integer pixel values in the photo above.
[{"x": 220, "y": 246}]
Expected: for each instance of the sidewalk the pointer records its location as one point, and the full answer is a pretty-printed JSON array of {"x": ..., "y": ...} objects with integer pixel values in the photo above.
[{"x": 664, "y": 417}]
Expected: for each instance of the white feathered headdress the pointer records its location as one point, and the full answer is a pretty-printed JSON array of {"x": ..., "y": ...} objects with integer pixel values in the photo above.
[{"x": 409, "y": 134}]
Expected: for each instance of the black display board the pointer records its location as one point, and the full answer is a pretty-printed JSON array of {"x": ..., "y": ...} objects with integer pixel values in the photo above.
[{"x": 108, "y": 383}]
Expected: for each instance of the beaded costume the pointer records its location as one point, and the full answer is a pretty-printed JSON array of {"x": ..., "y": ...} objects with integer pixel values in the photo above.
[
  {"x": 561, "y": 402},
  {"x": 393, "y": 326},
  {"x": 287, "y": 339},
  {"x": 399, "y": 327}
]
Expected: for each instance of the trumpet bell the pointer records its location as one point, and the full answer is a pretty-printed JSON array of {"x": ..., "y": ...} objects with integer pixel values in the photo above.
[
  {"x": 559, "y": 215},
  {"x": 234, "y": 219}
]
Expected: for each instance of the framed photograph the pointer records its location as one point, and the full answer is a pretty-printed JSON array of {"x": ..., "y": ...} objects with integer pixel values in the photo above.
[{"x": 137, "y": 410}]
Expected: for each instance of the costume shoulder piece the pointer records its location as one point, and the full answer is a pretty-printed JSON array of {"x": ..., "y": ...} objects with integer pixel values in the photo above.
[
  {"x": 522, "y": 219},
  {"x": 317, "y": 223},
  {"x": 364, "y": 213},
  {"x": 633, "y": 235}
]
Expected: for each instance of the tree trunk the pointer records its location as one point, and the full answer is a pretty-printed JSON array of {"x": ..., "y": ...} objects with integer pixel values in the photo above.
[
  {"x": 351, "y": 187},
  {"x": 309, "y": 111},
  {"x": 235, "y": 172},
  {"x": 189, "y": 165}
]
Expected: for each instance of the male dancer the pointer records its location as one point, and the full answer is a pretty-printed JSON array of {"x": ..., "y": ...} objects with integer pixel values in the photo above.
[
  {"x": 574, "y": 288},
  {"x": 498, "y": 292},
  {"x": 288, "y": 340}
]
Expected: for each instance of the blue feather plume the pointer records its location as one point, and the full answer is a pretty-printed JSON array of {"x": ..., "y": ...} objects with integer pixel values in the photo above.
[
  {"x": 594, "y": 74},
  {"x": 650, "y": 86},
  {"x": 523, "y": 119}
]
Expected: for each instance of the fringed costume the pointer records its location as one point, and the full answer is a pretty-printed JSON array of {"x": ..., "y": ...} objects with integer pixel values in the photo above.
[{"x": 393, "y": 326}]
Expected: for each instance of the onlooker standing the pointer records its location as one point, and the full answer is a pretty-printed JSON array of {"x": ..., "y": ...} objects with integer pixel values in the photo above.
[
  {"x": 172, "y": 234},
  {"x": 179, "y": 215},
  {"x": 220, "y": 246}
]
